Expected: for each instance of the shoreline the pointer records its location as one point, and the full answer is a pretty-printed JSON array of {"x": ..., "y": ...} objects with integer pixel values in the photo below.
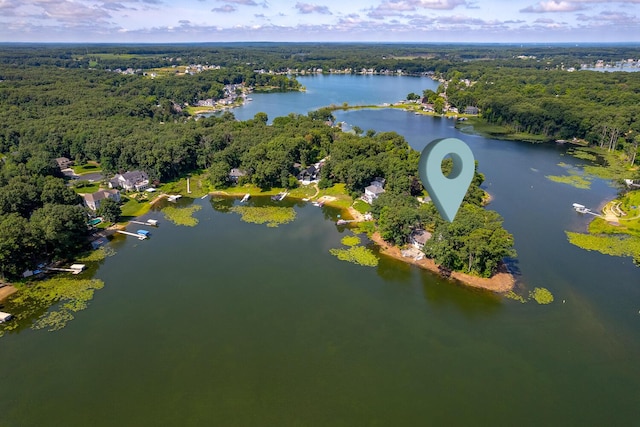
[
  {"x": 501, "y": 282},
  {"x": 7, "y": 291}
]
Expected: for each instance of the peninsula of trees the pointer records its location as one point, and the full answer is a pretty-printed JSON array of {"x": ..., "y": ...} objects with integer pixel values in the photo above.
[{"x": 101, "y": 103}]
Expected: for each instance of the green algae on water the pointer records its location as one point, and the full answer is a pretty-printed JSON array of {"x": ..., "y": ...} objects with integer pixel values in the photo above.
[
  {"x": 541, "y": 295},
  {"x": 272, "y": 216},
  {"x": 71, "y": 295},
  {"x": 182, "y": 215},
  {"x": 350, "y": 240},
  {"x": 357, "y": 255}
]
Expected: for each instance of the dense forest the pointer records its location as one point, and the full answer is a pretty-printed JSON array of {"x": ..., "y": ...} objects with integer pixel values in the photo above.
[
  {"x": 68, "y": 100},
  {"x": 601, "y": 108}
]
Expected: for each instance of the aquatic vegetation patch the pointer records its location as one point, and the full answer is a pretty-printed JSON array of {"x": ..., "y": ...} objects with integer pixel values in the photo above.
[
  {"x": 182, "y": 215},
  {"x": 514, "y": 296},
  {"x": 357, "y": 255},
  {"x": 350, "y": 240},
  {"x": 71, "y": 295},
  {"x": 581, "y": 154},
  {"x": 97, "y": 255},
  {"x": 272, "y": 216},
  {"x": 541, "y": 295},
  {"x": 577, "y": 181},
  {"x": 614, "y": 245}
]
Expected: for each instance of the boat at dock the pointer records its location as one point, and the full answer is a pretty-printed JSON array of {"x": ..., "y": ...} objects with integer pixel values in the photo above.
[
  {"x": 279, "y": 197},
  {"x": 174, "y": 197},
  {"x": 245, "y": 198},
  {"x": 5, "y": 317}
]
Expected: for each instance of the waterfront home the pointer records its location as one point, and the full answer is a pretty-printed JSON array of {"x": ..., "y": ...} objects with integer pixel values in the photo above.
[
  {"x": 93, "y": 200},
  {"x": 129, "y": 181},
  {"x": 309, "y": 174},
  {"x": 374, "y": 190},
  {"x": 371, "y": 193},
  {"x": 471, "y": 110},
  {"x": 418, "y": 238},
  {"x": 235, "y": 174}
]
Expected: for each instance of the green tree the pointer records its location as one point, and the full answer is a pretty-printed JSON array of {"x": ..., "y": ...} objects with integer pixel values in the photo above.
[
  {"x": 18, "y": 247},
  {"x": 62, "y": 229},
  {"x": 413, "y": 96},
  {"x": 109, "y": 210}
]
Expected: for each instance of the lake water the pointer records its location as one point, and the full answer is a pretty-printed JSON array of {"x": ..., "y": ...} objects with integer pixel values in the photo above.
[{"x": 229, "y": 323}]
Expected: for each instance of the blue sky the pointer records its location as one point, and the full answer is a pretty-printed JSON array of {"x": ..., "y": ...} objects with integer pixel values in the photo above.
[{"x": 149, "y": 21}]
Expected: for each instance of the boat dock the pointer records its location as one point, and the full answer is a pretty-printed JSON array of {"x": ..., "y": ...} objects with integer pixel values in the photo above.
[
  {"x": 75, "y": 269},
  {"x": 584, "y": 210},
  {"x": 280, "y": 196},
  {"x": 152, "y": 222},
  {"x": 139, "y": 236}
]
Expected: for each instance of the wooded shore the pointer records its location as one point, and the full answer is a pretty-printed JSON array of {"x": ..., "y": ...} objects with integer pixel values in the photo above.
[{"x": 502, "y": 281}]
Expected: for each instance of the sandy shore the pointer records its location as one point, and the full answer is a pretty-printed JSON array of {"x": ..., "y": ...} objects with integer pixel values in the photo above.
[
  {"x": 5, "y": 291},
  {"x": 503, "y": 281}
]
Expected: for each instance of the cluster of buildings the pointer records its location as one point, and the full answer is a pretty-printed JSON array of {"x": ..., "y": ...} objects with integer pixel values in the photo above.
[
  {"x": 128, "y": 181},
  {"x": 231, "y": 94}
]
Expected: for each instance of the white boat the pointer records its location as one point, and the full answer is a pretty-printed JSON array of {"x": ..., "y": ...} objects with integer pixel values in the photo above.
[
  {"x": 174, "y": 197},
  {"x": 245, "y": 198},
  {"x": 4, "y": 317}
]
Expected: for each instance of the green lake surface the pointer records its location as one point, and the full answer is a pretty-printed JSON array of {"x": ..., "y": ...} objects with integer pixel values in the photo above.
[{"x": 236, "y": 324}]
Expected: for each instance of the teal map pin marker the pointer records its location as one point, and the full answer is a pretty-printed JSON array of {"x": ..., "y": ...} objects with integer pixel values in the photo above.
[{"x": 446, "y": 192}]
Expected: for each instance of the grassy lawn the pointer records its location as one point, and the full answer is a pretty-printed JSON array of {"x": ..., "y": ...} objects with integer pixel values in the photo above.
[
  {"x": 343, "y": 200},
  {"x": 361, "y": 206},
  {"x": 197, "y": 182},
  {"x": 132, "y": 208},
  {"x": 87, "y": 189},
  {"x": 89, "y": 167},
  {"x": 303, "y": 192}
]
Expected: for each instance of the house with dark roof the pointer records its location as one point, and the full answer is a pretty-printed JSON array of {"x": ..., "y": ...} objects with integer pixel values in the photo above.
[
  {"x": 235, "y": 174},
  {"x": 130, "y": 181},
  {"x": 309, "y": 174},
  {"x": 93, "y": 200},
  {"x": 64, "y": 162}
]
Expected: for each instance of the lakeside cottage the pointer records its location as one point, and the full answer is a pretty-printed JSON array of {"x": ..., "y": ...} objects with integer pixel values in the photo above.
[
  {"x": 93, "y": 200},
  {"x": 418, "y": 238},
  {"x": 471, "y": 110},
  {"x": 129, "y": 181},
  {"x": 373, "y": 191},
  {"x": 235, "y": 174}
]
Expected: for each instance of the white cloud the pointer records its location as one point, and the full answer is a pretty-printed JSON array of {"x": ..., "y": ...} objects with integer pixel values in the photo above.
[
  {"x": 227, "y": 8},
  {"x": 306, "y": 8},
  {"x": 554, "y": 6}
]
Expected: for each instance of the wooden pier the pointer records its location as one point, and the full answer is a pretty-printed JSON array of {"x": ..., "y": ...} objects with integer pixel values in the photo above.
[
  {"x": 151, "y": 222},
  {"x": 139, "y": 236},
  {"x": 75, "y": 269}
]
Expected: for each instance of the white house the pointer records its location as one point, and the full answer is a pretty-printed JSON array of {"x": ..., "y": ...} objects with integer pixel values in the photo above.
[
  {"x": 134, "y": 180},
  {"x": 93, "y": 200},
  {"x": 418, "y": 238},
  {"x": 373, "y": 191}
]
